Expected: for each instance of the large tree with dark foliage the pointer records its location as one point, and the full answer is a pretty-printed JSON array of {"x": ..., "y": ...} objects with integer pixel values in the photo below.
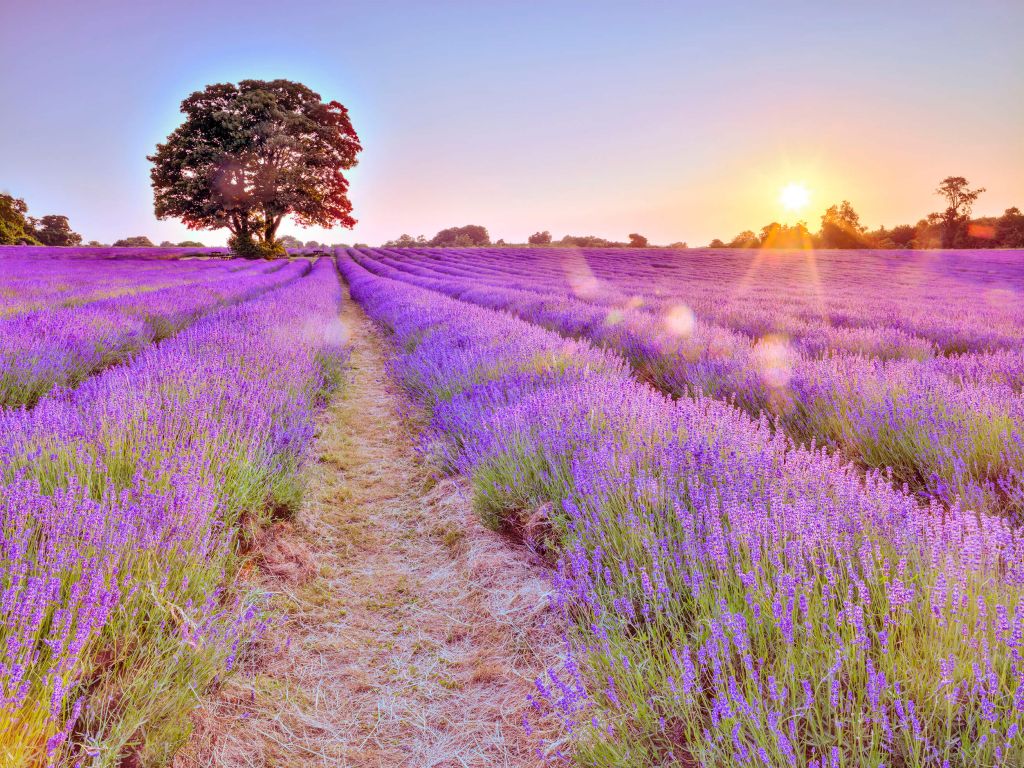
[{"x": 251, "y": 154}]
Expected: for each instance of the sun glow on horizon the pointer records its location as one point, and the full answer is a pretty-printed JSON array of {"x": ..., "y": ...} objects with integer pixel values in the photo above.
[{"x": 794, "y": 196}]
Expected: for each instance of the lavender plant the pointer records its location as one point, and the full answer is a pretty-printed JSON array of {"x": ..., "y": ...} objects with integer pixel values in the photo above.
[
  {"x": 934, "y": 397},
  {"x": 120, "y": 510},
  {"x": 735, "y": 599}
]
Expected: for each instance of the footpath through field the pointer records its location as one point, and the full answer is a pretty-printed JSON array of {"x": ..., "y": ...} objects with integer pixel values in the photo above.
[{"x": 413, "y": 633}]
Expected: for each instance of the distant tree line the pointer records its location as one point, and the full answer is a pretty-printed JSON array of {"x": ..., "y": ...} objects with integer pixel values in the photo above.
[
  {"x": 475, "y": 236},
  {"x": 18, "y": 228},
  {"x": 951, "y": 227}
]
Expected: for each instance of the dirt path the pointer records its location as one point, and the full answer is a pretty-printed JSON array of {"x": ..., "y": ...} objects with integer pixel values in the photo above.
[{"x": 413, "y": 633}]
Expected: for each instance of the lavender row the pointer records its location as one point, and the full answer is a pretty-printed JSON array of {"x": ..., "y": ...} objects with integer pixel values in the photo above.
[
  {"x": 735, "y": 599},
  {"x": 120, "y": 509},
  {"x": 32, "y": 284},
  {"x": 62, "y": 346},
  {"x": 950, "y": 428},
  {"x": 938, "y": 303}
]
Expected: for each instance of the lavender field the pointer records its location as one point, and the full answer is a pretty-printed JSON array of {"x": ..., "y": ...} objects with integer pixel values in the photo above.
[
  {"x": 137, "y": 433},
  {"x": 775, "y": 497},
  {"x": 782, "y": 504}
]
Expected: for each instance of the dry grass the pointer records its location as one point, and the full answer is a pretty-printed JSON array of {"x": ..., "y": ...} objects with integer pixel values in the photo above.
[{"x": 413, "y": 634}]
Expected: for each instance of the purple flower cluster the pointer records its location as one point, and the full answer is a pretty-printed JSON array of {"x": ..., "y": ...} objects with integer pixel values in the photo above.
[
  {"x": 37, "y": 283},
  {"x": 62, "y": 345},
  {"x": 120, "y": 504},
  {"x": 923, "y": 378},
  {"x": 734, "y": 598}
]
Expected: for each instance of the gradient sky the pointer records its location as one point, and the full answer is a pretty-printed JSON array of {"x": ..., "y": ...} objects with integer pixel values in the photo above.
[{"x": 678, "y": 120}]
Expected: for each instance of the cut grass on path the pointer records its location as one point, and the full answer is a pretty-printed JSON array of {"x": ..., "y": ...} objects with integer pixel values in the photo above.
[{"x": 413, "y": 634}]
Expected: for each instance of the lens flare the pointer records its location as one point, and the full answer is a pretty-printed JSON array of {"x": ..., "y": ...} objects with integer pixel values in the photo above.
[
  {"x": 679, "y": 320},
  {"x": 774, "y": 358}
]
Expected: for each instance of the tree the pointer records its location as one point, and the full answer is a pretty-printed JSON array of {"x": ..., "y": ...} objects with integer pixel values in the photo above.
[
  {"x": 637, "y": 241},
  {"x": 841, "y": 228},
  {"x": 902, "y": 235},
  {"x": 312, "y": 244},
  {"x": 95, "y": 244},
  {"x": 252, "y": 154},
  {"x": 287, "y": 241},
  {"x": 406, "y": 241},
  {"x": 716, "y": 243},
  {"x": 679, "y": 245},
  {"x": 190, "y": 244},
  {"x": 1010, "y": 229},
  {"x": 166, "y": 244},
  {"x": 15, "y": 227},
  {"x": 461, "y": 237},
  {"x": 959, "y": 201},
  {"x": 589, "y": 241},
  {"x": 139, "y": 241},
  {"x": 794, "y": 236},
  {"x": 745, "y": 239},
  {"x": 540, "y": 238},
  {"x": 55, "y": 231}
]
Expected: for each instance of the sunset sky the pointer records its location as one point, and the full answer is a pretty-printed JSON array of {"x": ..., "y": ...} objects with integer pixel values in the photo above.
[{"x": 682, "y": 121}]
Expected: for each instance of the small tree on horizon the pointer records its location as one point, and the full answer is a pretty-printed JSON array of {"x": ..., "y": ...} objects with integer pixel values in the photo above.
[
  {"x": 745, "y": 239},
  {"x": 540, "y": 238},
  {"x": 467, "y": 236},
  {"x": 139, "y": 241},
  {"x": 1010, "y": 228},
  {"x": 252, "y": 154},
  {"x": 637, "y": 241},
  {"x": 841, "y": 228},
  {"x": 959, "y": 201}
]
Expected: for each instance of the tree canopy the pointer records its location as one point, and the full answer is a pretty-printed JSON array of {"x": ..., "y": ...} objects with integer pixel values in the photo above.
[
  {"x": 18, "y": 228},
  {"x": 15, "y": 227},
  {"x": 959, "y": 201},
  {"x": 841, "y": 228},
  {"x": 54, "y": 230},
  {"x": 138, "y": 241},
  {"x": 469, "y": 235},
  {"x": 251, "y": 154}
]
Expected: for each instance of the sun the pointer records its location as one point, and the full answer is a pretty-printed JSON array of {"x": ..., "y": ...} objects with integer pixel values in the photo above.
[{"x": 794, "y": 196}]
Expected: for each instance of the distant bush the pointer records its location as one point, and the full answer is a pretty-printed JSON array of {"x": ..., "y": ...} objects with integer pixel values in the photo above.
[
  {"x": 139, "y": 241},
  {"x": 406, "y": 241},
  {"x": 461, "y": 237}
]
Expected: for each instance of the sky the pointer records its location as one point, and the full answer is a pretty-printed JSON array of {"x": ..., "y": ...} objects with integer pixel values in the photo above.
[{"x": 681, "y": 121}]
